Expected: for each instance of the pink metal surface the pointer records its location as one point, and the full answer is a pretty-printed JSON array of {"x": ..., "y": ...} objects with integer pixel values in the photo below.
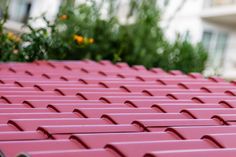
[{"x": 100, "y": 109}]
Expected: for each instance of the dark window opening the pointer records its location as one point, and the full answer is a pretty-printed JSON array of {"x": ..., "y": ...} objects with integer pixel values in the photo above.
[{"x": 27, "y": 13}]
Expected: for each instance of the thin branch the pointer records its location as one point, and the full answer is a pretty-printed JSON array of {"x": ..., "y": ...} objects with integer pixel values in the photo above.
[{"x": 170, "y": 19}]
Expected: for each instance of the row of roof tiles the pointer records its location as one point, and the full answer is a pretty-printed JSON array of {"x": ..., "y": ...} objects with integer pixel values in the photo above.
[{"x": 87, "y": 108}]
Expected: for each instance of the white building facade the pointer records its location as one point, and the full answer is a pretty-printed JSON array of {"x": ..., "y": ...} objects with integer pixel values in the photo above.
[
  {"x": 21, "y": 10},
  {"x": 213, "y": 22}
]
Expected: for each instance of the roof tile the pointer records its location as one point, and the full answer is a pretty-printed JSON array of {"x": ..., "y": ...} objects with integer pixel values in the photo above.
[
  {"x": 89, "y": 140},
  {"x": 194, "y": 153},
  {"x": 70, "y": 153},
  {"x": 140, "y": 148},
  {"x": 12, "y": 148},
  {"x": 87, "y": 108}
]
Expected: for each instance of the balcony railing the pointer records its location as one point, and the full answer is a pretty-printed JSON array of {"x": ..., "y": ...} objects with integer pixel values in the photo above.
[{"x": 218, "y": 3}]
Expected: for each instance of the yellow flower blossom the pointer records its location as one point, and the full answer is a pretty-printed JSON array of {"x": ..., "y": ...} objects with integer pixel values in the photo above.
[
  {"x": 11, "y": 36},
  {"x": 63, "y": 17},
  {"x": 91, "y": 40}
]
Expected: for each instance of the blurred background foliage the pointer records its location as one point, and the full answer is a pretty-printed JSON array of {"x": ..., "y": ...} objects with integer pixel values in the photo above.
[{"x": 81, "y": 31}]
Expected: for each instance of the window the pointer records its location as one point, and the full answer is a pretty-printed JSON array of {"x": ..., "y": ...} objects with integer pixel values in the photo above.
[
  {"x": 215, "y": 43},
  {"x": 166, "y": 2},
  {"x": 163, "y": 3},
  {"x": 218, "y": 3},
  {"x": 20, "y": 10},
  {"x": 221, "y": 42},
  {"x": 3, "y": 4},
  {"x": 220, "y": 47},
  {"x": 221, "y": 2},
  {"x": 206, "y": 39},
  {"x": 1, "y": 13}
]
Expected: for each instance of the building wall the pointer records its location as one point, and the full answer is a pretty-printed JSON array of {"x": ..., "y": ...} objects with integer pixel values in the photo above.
[
  {"x": 3, "y": 4},
  {"x": 17, "y": 11},
  {"x": 186, "y": 20},
  {"x": 49, "y": 7},
  {"x": 189, "y": 19}
]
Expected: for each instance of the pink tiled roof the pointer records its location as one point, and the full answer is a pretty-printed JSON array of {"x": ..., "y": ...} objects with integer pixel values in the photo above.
[{"x": 100, "y": 109}]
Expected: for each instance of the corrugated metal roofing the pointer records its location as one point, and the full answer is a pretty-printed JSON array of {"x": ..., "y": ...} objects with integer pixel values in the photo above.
[{"x": 100, "y": 109}]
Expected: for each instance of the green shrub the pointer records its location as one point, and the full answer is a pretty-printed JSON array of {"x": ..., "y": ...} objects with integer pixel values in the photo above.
[
  {"x": 9, "y": 43},
  {"x": 138, "y": 42},
  {"x": 183, "y": 55},
  {"x": 81, "y": 31}
]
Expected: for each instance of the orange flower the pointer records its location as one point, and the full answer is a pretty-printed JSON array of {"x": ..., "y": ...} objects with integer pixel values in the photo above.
[
  {"x": 79, "y": 39},
  {"x": 11, "y": 36},
  {"x": 63, "y": 17},
  {"x": 91, "y": 40}
]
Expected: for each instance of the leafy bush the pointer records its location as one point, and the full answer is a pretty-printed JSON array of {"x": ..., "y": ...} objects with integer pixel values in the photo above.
[
  {"x": 183, "y": 55},
  {"x": 82, "y": 31},
  {"x": 9, "y": 43}
]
